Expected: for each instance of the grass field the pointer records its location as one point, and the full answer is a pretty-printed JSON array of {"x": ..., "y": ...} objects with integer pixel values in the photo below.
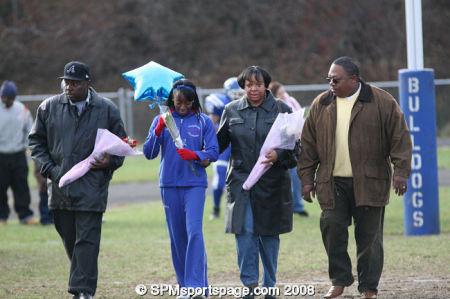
[
  {"x": 135, "y": 249},
  {"x": 444, "y": 157}
]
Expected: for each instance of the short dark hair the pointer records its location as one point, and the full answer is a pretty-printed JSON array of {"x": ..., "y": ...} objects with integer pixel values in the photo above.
[
  {"x": 349, "y": 65},
  {"x": 254, "y": 71},
  {"x": 188, "y": 89}
]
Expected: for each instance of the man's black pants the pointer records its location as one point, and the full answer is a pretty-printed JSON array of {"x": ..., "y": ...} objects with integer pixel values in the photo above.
[
  {"x": 80, "y": 232},
  {"x": 368, "y": 235},
  {"x": 14, "y": 173}
]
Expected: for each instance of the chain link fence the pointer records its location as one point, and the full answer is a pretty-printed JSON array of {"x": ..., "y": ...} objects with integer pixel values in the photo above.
[{"x": 138, "y": 116}]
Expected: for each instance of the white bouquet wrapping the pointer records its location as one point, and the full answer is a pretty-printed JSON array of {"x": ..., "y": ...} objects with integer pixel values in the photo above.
[
  {"x": 285, "y": 131},
  {"x": 173, "y": 130}
]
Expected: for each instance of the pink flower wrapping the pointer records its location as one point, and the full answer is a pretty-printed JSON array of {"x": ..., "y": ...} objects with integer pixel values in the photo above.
[{"x": 104, "y": 142}]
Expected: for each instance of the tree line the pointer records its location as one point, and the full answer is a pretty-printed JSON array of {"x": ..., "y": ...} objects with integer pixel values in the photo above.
[{"x": 211, "y": 40}]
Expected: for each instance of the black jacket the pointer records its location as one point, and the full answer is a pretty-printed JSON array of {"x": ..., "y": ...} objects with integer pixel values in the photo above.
[
  {"x": 246, "y": 127},
  {"x": 60, "y": 139}
]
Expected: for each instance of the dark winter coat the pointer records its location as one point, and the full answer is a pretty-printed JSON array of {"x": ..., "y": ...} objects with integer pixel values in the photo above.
[
  {"x": 60, "y": 139},
  {"x": 246, "y": 128}
]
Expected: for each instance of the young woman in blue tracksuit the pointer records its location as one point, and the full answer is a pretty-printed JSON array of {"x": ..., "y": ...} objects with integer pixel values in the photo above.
[{"x": 182, "y": 191}]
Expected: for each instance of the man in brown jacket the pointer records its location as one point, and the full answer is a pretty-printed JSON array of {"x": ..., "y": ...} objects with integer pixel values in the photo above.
[{"x": 352, "y": 134}]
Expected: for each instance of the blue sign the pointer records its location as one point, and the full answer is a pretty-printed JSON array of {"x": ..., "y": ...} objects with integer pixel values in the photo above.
[{"x": 421, "y": 201}]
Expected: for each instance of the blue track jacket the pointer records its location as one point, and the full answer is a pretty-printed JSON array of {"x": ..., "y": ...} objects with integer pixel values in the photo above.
[{"x": 198, "y": 134}]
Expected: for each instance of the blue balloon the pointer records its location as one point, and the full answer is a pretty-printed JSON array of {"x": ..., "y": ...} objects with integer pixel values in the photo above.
[{"x": 152, "y": 82}]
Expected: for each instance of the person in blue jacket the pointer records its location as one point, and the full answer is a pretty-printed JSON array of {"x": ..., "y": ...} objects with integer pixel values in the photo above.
[{"x": 182, "y": 190}]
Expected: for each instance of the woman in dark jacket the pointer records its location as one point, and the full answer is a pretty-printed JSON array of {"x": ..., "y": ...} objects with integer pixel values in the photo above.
[{"x": 259, "y": 215}]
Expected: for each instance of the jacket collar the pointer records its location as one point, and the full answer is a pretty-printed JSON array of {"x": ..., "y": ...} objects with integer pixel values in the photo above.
[
  {"x": 365, "y": 95},
  {"x": 266, "y": 105}
]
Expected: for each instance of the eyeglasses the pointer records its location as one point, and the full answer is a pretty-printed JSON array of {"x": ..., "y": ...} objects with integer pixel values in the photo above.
[{"x": 335, "y": 81}]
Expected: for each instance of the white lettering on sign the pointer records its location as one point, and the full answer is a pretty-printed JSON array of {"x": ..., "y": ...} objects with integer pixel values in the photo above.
[
  {"x": 413, "y": 85},
  {"x": 417, "y": 200},
  {"x": 416, "y": 161},
  {"x": 415, "y": 147},
  {"x": 418, "y": 219},
  {"x": 412, "y": 128},
  {"x": 416, "y": 180},
  {"x": 413, "y": 103}
]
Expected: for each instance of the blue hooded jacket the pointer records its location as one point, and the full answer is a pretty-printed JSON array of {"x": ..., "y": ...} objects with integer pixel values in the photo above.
[{"x": 198, "y": 135}]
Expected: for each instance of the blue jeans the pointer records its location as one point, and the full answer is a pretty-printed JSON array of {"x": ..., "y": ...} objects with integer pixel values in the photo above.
[
  {"x": 250, "y": 247},
  {"x": 184, "y": 214},
  {"x": 296, "y": 189}
]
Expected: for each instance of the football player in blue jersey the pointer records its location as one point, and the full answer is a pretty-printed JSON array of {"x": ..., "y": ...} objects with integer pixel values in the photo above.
[{"x": 214, "y": 104}]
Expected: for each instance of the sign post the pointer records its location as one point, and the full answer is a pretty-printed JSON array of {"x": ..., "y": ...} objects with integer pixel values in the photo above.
[
  {"x": 421, "y": 201},
  {"x": 417, "y": 100}
]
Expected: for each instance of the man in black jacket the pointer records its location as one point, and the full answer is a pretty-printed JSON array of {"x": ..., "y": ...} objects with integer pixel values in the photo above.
[{"x": 64, "y": 134}]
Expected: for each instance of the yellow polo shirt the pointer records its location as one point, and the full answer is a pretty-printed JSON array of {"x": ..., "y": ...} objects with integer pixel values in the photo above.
[{"x": 344, "y": 106}]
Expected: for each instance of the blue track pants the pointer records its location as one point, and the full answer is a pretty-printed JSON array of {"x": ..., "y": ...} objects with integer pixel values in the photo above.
[{"x": 184, "y": 214}]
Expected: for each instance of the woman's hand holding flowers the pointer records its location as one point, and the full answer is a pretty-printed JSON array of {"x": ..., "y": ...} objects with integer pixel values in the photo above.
[
  {"x": 187, "y": 155},
  {"x": 160, "y": 126}
]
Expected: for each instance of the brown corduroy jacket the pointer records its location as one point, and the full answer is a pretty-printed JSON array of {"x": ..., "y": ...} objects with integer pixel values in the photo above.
[{"x": 378, "y": 136}]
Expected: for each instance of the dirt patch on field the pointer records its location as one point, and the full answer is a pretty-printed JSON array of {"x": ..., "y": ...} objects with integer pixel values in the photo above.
[{"x": 412, "y": 286}]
